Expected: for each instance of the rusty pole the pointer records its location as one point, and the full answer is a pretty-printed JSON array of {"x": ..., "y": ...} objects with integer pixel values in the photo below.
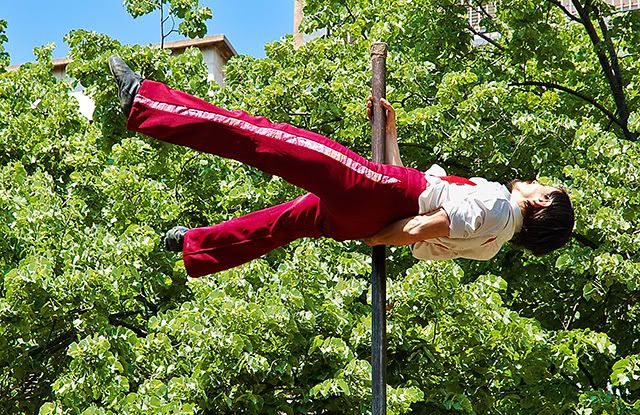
[{"x": 378, "y": 286}]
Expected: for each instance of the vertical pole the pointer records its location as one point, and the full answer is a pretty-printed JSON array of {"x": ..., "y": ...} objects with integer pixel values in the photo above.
[{"x": 379, "y": 284}]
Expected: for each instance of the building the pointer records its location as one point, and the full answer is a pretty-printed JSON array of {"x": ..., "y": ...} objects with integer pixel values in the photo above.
[
  {"x": 216, "y": 51},
  {"x": 478, "y": 12},
  {"x": 300, "y": 38}
]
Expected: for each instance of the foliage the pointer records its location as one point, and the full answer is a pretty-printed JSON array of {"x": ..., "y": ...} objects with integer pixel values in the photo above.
[
  {"x": 96, "y": 319},
  {"x": 192, "y": 16},
  {"x": 4, "y": 56}
]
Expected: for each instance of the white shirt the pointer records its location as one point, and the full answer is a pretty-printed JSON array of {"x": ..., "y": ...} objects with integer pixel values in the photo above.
[{"x": 481, "y": 217}]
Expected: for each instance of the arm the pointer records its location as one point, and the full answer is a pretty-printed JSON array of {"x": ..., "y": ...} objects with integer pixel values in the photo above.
[
  {"x": 392, "y": 152},
  {"x": 413, "y": 229}
]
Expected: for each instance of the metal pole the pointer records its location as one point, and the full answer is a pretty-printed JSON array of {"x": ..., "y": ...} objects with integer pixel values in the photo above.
[{"x": 379, "y": 284}]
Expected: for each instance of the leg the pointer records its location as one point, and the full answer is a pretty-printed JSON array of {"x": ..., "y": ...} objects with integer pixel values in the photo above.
[
  {"x": 228, "y": 244},
  {"x": 303, "y": 158}
]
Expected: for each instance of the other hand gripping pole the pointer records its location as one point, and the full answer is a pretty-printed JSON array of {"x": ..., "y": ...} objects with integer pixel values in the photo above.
[{"x": 378, "y": 287}]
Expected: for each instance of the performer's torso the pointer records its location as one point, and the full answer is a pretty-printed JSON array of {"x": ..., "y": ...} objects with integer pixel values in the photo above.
[{"x": 482, "y": 217}]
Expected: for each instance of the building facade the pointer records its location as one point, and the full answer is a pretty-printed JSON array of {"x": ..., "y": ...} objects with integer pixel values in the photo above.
[
  {"x": 477, "y": 13},
  {"x": 300, "y": 38}
]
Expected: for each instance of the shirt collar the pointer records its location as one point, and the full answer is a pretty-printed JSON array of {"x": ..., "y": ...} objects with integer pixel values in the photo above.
[{"x": 517, "y": 215}]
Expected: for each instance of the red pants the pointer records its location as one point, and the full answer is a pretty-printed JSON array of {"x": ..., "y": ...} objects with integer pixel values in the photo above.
[{"x": 351, "y": 197}]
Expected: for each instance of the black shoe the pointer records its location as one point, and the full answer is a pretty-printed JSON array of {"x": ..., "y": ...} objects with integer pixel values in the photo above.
[
  {"x": 174, "y": 238},
  {"x": 127, "y": 80}
]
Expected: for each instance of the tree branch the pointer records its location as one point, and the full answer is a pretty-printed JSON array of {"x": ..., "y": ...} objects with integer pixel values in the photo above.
[
  {"x": 588, "y": 375},
  {"x": 567, "y": 326},
  {"x": 173, "y": 26},
  {"x": 161, "y": 26},
  {"x": 613, "y": 55},
  {"x": 137, "y": 330},
  {"x": 485, "y": 37},
  {"x": 480, "y": 7},
  {"x": 615, "y": 65},
  {"x": 173, "y": 30},
  {"x": 569, "y": 381},
  {"x": 614, "y": 85},
  {"x": 346, "y": 5},
  {"x": 329, "y": 121},
  {"x": 125, "y": 314},
  {"x": 585, "y": 241},
  {"x": 53, "y": 346},
  {"x": 148, "y": 304},
  {"x": 580, "y": 95},
  {"x": 566, "y": 11}
]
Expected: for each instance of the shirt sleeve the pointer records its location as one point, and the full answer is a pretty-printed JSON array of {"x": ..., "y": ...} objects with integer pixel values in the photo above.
[
  {"x": 487, "y": 252},
  {"x": 428, "y": 250},
  {"x": 471, "y": 218},
  {"x": 436, "y": 170}
]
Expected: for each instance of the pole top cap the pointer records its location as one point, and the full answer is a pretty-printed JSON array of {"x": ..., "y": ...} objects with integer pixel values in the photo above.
[{"x": 379, "y": 48}]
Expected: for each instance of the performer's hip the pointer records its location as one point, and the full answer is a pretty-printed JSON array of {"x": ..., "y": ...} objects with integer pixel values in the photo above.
[{"x": 365, "y": 210}]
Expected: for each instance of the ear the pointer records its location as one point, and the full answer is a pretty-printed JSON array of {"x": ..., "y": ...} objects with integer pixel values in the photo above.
[{"x": 540, "y": 202}]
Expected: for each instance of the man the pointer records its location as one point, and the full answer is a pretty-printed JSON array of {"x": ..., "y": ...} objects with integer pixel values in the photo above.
[{"x": 441, "y": 217}]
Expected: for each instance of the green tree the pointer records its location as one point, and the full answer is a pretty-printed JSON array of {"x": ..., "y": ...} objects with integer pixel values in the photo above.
[
  {"x": 192, "y": 16},
  {"x": 96, "y": 319},
  {"x": 4, "y": 56}
]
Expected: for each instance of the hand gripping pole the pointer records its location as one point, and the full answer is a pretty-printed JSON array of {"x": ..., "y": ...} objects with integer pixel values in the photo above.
[{"x": 378, "y": 287}]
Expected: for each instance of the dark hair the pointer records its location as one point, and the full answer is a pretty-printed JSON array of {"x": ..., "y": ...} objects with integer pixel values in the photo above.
[{"x": 546, "y": 228}]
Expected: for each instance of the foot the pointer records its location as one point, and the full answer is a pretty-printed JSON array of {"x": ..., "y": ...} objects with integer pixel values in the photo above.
[
  {"x": 174, "y": 238},
  {"x": 127, "y": 80}
]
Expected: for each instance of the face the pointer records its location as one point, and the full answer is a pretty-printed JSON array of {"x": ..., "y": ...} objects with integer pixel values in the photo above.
[{"x": 533, "y": 191}]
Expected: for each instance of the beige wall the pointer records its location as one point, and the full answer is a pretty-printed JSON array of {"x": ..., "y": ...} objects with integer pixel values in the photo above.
[{"x": 215, "y": 65}]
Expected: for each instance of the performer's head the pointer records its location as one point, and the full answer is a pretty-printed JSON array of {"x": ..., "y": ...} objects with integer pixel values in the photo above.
[{"x": 547, "y": 214}]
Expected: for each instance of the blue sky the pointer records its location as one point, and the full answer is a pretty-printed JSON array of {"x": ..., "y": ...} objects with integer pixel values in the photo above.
[{"x": 248, "y": 24}]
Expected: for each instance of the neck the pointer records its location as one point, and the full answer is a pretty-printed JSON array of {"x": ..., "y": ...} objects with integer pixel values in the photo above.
[
  {"x": 518, "y": 208},
  {"x": 516, "y": 197}
]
